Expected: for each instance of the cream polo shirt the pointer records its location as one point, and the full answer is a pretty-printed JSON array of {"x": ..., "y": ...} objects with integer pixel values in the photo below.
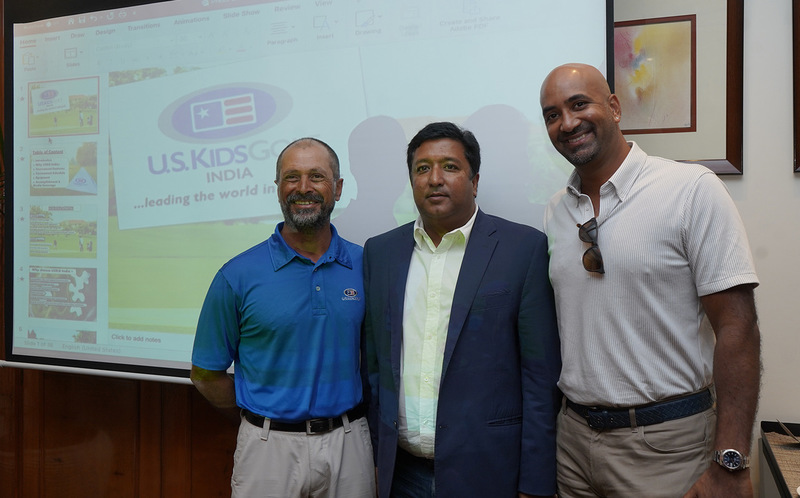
[
  {"x": 430, "y": 286},
  {"x": 669, "y": 233}
]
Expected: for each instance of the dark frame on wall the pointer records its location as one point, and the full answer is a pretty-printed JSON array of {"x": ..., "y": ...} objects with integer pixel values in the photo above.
[
  {"x": 734, "y": 106},
  {"x": 732, "y": 163},
  {"x": 796, "y": 79}
]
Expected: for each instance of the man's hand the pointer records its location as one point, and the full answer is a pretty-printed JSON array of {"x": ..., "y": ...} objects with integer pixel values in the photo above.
[
  {"x": 737, "y": 374},
  {"x": 218, "y": 388},
  {"x": 718, "y": 482}
]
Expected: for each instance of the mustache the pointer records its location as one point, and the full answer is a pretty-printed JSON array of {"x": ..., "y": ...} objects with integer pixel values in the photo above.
[
  {"x": 313, "y": 197},
  {"x": 582, "y": 128}
]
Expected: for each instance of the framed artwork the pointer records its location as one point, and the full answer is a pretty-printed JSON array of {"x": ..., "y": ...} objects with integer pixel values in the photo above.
[
  {"x": 655, "y": 74},
  {"x": 688, "y": 104}
]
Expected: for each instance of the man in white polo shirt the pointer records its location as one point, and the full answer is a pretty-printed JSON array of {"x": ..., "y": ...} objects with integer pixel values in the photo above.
[{"x": 645, "y": 253}]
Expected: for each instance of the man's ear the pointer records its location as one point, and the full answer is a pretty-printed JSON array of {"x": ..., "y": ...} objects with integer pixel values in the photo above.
[
  {"x": 339, "y": 184},
  {"x": 616, "y": 108}
]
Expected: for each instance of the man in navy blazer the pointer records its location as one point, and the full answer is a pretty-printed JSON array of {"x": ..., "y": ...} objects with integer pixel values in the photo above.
[{"x": 463, "y": 388}]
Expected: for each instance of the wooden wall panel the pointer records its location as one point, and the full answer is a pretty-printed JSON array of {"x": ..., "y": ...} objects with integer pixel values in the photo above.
[
  {"x": 31, "y": 429},
  {"x": 177, "y": 443},
  {"x": 213, "y": 439},
  {"x": 148, "y": 451},
  {"x": 88, "y": 436},
  {"x": 10, "y": 415}
]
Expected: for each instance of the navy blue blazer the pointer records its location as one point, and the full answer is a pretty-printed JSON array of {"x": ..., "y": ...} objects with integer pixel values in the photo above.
[{"x": 498, "y": 400}]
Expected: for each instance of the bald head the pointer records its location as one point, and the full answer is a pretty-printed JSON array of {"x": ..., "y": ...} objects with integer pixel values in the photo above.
[
  {"x": 582, "y": 75},
  {"x": 582, "y": 117}
]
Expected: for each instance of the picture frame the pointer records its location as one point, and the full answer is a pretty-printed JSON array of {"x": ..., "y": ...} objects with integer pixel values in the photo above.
[
  {"x": 796, "y": 80},
  {"x": 655, "y": 71},
  {"x": 717, "y": 141}
]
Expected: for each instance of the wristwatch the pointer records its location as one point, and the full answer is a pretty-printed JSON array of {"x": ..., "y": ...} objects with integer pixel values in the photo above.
[{"x": 731, "y": 460}]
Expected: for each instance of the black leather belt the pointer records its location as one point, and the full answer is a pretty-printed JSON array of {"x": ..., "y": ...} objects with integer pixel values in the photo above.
[
  {"x": 600, "y": 417},
  {"x": 311, "y": 426}
]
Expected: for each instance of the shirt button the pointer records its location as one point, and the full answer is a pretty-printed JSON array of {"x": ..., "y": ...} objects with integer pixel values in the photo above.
[{"x": 318, "y": 287}]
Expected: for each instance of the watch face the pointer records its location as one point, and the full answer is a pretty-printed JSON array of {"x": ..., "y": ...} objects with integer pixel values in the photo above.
[{"x": 731, "y": 459}]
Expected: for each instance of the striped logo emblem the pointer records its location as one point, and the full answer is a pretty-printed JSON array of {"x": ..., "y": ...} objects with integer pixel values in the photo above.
[{"x": 224, "y": 113}]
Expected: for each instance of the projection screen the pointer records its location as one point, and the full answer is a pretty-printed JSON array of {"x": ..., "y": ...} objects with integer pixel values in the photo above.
[{"x": 141, "y": 143}]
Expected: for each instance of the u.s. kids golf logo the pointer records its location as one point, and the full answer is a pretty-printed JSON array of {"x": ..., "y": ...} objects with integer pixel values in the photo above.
[
  {"x": 46, "y": 100},
  {"x": 224, "y": 112},
  {"x": 350, "y": 294},
  {"x": 216, "y": 121}
]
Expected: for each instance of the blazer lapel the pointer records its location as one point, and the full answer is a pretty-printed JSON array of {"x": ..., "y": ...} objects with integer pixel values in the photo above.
[{"x": 478, "y": 253}]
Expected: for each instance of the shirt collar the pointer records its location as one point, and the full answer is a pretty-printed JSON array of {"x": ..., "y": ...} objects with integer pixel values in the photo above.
[
  {"x": 621, "y": 181},
  {"x": 282, "y": 254},
  {"x": 422, "y": 239}
]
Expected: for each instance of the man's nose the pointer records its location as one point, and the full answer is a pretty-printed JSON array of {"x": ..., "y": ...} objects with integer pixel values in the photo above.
[
  {"x": 436, "y": 176},
  {"x": 304, "y": 185},
  {"x": 569, "y": 122}
]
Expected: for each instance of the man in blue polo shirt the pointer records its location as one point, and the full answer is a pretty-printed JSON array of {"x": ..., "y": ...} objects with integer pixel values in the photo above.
[{"x": 287, "y": 313}]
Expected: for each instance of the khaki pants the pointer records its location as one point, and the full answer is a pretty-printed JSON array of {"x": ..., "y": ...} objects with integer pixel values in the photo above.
[
  {"x": 294, "y": 465},
  {"x": 660, "y": 460}
]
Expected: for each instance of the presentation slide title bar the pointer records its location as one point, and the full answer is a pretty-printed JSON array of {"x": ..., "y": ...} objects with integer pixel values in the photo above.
[{"x": 134, "y": 14}]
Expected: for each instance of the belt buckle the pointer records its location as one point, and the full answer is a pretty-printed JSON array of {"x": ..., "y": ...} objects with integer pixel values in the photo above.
[
  {"x": 603, "y": 419},
  {"x": 311, "y": 432},
  {"x": 596, "y": 419}
]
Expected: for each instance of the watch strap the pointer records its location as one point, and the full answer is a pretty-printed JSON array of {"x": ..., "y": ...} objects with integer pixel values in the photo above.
[{"x": 745, "y": 460}]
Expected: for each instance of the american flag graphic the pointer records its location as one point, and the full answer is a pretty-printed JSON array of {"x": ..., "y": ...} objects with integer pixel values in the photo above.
[{"x": 227, "y": 112}]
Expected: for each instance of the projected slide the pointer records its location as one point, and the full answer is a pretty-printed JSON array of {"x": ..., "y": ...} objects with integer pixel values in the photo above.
[
  {"x": 63, "y": 107},
  {"x": 70, "y": 169},
  {"x": 68, "y": 231},
  {"x": 145, "y": 140}
]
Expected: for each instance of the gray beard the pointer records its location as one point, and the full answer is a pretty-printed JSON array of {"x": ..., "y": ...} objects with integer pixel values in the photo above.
[
  {"x": 306, "y": 221},
  {"x": 583, "y": 157}
]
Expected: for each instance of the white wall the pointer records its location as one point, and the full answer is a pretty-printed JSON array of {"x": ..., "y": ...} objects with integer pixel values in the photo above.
[{"x": 768, "y": 196}]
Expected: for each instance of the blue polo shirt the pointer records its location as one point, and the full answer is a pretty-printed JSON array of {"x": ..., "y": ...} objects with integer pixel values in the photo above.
[{"x": 291, "y": 328}]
